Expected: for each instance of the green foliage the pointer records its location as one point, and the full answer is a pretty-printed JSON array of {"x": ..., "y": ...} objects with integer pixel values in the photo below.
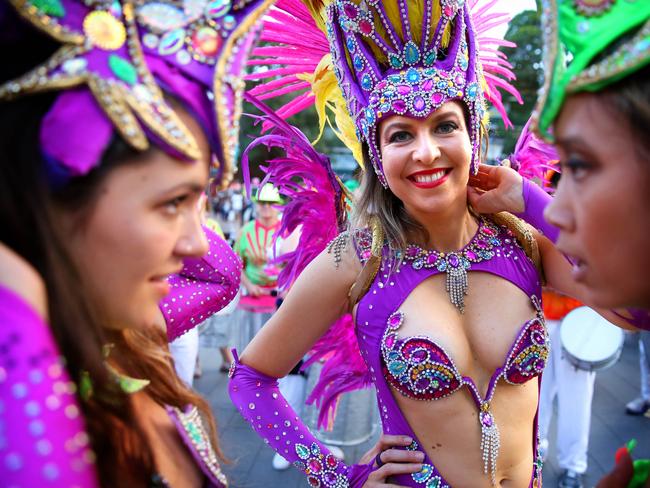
[{"x": 526, "y": 59}]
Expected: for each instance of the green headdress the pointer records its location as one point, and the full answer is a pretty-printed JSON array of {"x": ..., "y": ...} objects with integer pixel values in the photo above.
[{"x": 589, "y": 44}]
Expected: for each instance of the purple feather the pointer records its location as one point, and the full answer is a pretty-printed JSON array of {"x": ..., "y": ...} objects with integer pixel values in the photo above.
[{"x": 533, "y": 157}]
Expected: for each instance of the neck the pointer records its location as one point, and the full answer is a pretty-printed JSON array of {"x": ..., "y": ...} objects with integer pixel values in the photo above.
[
  {"x": 449, "y": 229},
  {"x": 267, "y": 222}
]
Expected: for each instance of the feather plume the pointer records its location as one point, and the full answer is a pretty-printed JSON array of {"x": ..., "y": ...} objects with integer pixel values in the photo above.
[
  {"x": 316, "y": 204},
  {"x": 533, "y": 158}
]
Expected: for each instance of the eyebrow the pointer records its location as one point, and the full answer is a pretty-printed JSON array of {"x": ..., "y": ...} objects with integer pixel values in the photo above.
[{"x": 191, "y": 187}]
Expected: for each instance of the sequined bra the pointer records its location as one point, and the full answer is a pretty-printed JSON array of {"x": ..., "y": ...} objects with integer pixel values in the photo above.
[{"x": 419, "y": 368}]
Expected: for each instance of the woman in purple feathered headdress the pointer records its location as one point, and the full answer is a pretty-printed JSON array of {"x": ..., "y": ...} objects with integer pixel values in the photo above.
[
  {"x": 446, "y": 305},
  {"x": 106, "y": 143}
]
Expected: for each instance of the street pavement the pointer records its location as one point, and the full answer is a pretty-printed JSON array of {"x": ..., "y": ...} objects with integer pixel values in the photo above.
[{"x": 250, "y": 458}]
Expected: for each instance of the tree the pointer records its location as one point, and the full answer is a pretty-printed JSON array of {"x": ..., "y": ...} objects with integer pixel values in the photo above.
[{"x": 526, "y": 59}]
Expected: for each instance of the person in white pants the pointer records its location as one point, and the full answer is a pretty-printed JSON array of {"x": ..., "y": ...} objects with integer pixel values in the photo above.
[
  {"x": 185, "y": 350},
  {"x": 641, "y": 405},
  {"x": 574, "y": 389}
]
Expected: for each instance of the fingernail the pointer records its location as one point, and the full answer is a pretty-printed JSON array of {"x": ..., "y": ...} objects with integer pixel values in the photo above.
[
  {"x": 419, "y": 456},
  {"x": 408, "y": 439}
]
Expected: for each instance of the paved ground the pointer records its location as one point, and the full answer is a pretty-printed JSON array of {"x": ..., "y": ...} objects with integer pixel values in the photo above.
[{"x": 611, "y": 428}]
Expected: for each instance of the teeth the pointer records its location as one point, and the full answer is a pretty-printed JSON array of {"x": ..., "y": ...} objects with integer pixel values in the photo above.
[{"x": 430, "y": 178}]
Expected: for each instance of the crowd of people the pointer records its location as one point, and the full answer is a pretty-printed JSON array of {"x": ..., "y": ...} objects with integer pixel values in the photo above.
[{"x": 426, "y": 283}]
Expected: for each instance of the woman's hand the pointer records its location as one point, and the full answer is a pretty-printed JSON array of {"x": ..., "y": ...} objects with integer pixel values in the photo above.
[
  {"x": 496, "y": 189},
  {"x": 393, "y": 461}
]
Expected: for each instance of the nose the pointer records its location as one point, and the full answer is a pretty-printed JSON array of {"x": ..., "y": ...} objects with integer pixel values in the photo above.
[
  {"x": 192, "y": 241},
  {"x": 426, "y": 149},
  {"x": 560, "y": 211}
]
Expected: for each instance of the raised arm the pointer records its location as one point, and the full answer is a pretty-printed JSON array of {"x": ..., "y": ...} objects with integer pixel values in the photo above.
[
  {"x": 203, "y": 287},
  {"x": 317, "y": 298}
]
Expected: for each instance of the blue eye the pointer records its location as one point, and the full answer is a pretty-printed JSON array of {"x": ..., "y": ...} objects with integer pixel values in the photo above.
[
  {"x": 446, "y": 128},
  {"x": 400, "y": 136}
]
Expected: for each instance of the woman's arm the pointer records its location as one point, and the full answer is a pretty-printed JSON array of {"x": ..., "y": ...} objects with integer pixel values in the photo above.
[
  {"x": 318, "y": 297},
  {"x": 203, "y": 287},
  {"x": 43, "y": 436}
]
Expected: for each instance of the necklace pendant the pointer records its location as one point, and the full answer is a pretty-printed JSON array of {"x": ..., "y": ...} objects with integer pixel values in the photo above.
[
  {"x": 457, "y": 280},
  {"x": 490, "y": 442}
]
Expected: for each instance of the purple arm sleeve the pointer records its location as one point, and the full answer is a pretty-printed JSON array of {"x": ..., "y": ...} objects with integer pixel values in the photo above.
[
  {"x": 42, "y": 436},
  {"x": 203, "y": 287},
  {"x": 640, "y": 318},
  {"x": 535, "y": 201},
  {"x": 259, "y": 401}
]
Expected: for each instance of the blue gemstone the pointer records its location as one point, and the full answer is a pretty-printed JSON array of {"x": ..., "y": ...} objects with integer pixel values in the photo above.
[
  {"x": 411, "y": 53},
  {"x": 392, "y": 355},
  {"x": 315, "y": 450},
  {"x": 413, "y": 75},
  {"x": 395, "y": 61},
  {"x": 358, "y": 63},
  {"x": 430, "y": 58},
  {"x": 442, "y": 265},
  {"x": 472, "y": 91},
  {"x": 351, "y": 45},
  {"x": 384, "y": 107},
  {"x": 433, "y": 482},
  {"x": 463, "y": 64},
  {"x": 486, "y": 254},
  {"x": 366, "y": 82},
  {"x": 370, "y": 116},
  {"x": 424, "y": 474},
  {"x": 451, "y": 91},
  {"x": 396, "y": 368},
  {"x": 495, "y": 242},
  {"x": 418, "y": 264},
  {"x": 441, "y": 85},
  {"x": 394, "y": 78}
]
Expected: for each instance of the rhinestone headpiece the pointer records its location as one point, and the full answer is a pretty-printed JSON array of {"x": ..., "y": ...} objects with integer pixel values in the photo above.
[
  {"x": 124, "y": 51},
  {"x": 407, "y": 69}
]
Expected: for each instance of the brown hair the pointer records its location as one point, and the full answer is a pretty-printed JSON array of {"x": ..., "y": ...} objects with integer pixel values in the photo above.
[{"x": 29, "y": 206}]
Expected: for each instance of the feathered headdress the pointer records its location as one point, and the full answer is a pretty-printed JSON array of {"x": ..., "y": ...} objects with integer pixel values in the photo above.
[
  {"x": 116, "y": 59},
  {"x": 366, "y": 60}
]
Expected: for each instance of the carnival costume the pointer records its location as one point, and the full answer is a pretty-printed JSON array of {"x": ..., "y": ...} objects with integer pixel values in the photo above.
[
  {"x": 116, "y": 62},
  {"x": 388, "y": 58}
]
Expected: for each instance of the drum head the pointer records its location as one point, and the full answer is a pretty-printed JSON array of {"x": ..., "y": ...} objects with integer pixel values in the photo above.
[{"x": 589, "y": 338}]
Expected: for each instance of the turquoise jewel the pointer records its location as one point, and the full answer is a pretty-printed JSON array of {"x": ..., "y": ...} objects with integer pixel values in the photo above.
[
  {"x": 430, "y": 58},
  {"x": 472, "y": 90},
  {"x": 124, "y": 70},
  {"x": 463, "y": 64},
  {"x": 302, "y": 451},
  {"x": 217, "y": 8},
  {"x": 413, "y": 75},
  {"x": 411, "y": 53},
  {"x": 433, "y": 482},
  {"x": 396, "y": 368},
  {"x": 392, "y": 355},
  {"x": 171, "y": 42},
  {"x": 442, "y": 265},
  {"x": 384, "y": 107},
  {"x": 395, "y": 61},
  {"x": 394, "y": 78},
  {"x": 50, "y": 7},
  {"x": 370, "y": 116},
  {"x": 424, "y": 474}
]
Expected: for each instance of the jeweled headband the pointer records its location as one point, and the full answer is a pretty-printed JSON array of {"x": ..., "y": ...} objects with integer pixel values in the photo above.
[
  {"x": 405, "y": 57},
  {"x": 589, "y": 44},
  {"x": 119, "y": 57}
]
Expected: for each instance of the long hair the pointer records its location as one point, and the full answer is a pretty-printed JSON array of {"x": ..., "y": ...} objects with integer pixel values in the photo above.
[{"x": 29, "y": 211}]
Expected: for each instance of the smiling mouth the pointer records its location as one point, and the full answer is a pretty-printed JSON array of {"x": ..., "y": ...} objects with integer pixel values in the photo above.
[{"x": 429, "y": 178}]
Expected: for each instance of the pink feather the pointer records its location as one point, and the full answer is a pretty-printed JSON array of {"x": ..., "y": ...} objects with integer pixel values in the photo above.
[
  {"x": 533, "y": 157},
  {"x": 315, "y": 202}
]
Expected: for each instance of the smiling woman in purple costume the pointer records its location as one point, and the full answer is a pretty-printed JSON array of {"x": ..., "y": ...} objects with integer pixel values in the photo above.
[
  {"x": 105, "y": 148},
  {"x": 446, "y": 303}
]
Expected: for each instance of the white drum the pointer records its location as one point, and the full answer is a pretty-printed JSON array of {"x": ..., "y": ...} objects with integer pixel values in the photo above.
[{"x": 589, "y": 341}]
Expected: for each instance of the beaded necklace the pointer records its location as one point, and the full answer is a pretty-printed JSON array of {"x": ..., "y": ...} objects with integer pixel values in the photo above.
[{"x": 456, "y": 263}]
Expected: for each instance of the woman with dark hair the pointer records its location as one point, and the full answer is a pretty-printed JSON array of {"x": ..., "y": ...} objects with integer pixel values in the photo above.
[
  {"x": 595, "y": 106},
  {"x": 446, "y": 314},
  {"x": 102, "y": 256}
]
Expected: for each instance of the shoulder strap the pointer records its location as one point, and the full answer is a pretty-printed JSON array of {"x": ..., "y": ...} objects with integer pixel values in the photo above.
[
  {"x": 371, "y": 266},
  {"x": 524, "y": 236}
]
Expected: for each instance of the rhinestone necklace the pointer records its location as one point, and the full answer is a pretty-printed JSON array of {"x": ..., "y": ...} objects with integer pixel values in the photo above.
[{"x": 456, "y": 263}]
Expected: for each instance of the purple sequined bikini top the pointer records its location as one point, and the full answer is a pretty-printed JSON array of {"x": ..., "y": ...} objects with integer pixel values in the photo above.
[{"x": 419, "y": 368}]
